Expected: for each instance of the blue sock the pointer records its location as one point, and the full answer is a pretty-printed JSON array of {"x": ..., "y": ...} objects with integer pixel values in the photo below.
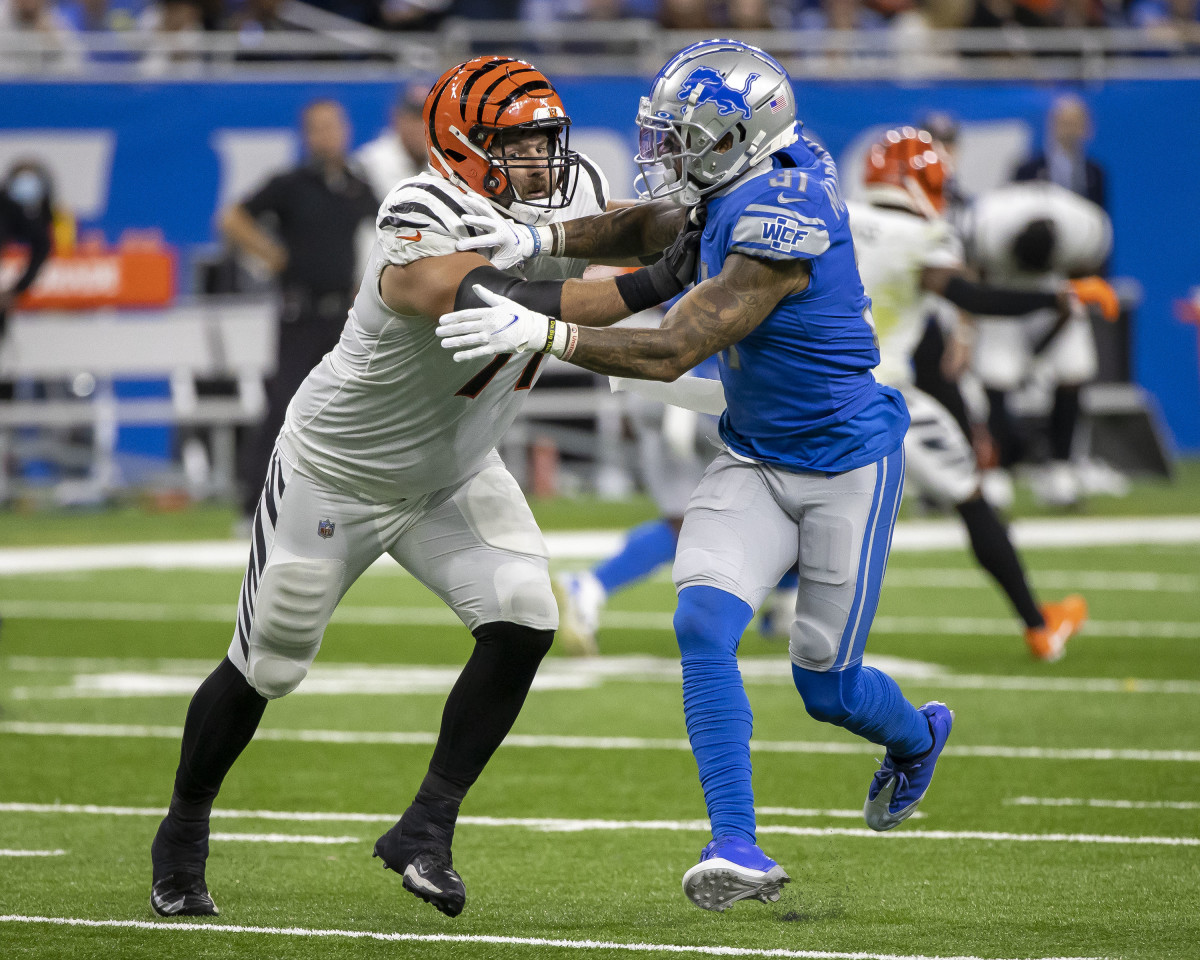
[
  {"x": 790, "y": 580},
  {"x": 867, "y": 702},
  {"x": 647, "y": 547},
  {"x": 708, "y": 625}
]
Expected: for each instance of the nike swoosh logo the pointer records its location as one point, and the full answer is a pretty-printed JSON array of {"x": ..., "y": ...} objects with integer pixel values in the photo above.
[
  {"x": 168, "y": 906},
  {"x": 781, "y": 198},
  {"x": 411, "y": 873},
  {"x": 415, "y": 238}
]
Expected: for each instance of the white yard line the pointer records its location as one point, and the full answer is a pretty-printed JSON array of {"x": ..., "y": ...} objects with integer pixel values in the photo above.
[
  {"x": 586, "y": 825},
  {"x": 711, "y": 951},
  {"x": 971, "y": 578},
  {"x": 395, "y": 616},
  {"x": 910, "y": 536},
  {"x": 283, "y": 838},
  {"x": 321, "y": 816},
  {"x": 32, "y": 853},
  {"x": 112, "y": 679},
  {"x": 1101, "y": 803},
  {"x": 534, "y": 741}
]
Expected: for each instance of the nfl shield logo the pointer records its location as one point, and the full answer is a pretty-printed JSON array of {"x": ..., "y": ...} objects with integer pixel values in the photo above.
[{"x": 325, "y": 529}]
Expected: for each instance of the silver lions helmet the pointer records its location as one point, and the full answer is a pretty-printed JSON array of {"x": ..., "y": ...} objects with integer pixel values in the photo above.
[{"x": 718, "y": 108}]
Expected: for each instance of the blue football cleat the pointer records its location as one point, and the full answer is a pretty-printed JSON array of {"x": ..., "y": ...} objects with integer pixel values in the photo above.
[
  {"x": 733, "y": 869},
  {"x": 897, "y": 787}
]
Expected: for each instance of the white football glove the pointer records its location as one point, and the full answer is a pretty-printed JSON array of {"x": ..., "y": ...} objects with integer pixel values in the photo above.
[
  {"x": 510, "y": 242},
  {"x": 503, "y": 327}
]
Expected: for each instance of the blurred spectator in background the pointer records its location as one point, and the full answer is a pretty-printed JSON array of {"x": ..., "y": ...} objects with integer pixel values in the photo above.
[
  {"x": 1171, "y": 20},
  {"x": 89, "y": 16},
  {"x": 26, "y": 218},
  {"x": 40, "y": 20},
  {"x": 1064, "y": 160},
  {"x": 399, "y": 150},
  {"x": 702, "y": 14},
  {"x": 317, "y": 209},
  {"x": 427, "y": 14},
  {"x": 179, "y": 24}
]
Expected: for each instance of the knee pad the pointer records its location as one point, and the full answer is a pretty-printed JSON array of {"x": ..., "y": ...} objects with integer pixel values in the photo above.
[
  {"x": 824, "y": 694},
  {"x": 525, "y": 596},
  {"x": 295, "y": 600},
  {"x": 709, "y": 621}
]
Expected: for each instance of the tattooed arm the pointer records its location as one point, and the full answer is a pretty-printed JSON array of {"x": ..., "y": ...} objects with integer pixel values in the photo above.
[
  {"x": 717, "y": 313},
  {"x": 625, "y": 231}
]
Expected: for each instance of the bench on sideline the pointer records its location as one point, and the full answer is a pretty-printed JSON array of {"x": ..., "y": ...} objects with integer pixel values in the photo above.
[{"x": 217, "y": 339}]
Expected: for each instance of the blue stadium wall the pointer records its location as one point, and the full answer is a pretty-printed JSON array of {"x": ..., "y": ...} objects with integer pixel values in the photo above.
[{"x": 165, "y": 171}]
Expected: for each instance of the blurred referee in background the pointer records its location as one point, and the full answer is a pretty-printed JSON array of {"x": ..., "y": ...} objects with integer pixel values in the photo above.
[{"x": 314, "y": 212}]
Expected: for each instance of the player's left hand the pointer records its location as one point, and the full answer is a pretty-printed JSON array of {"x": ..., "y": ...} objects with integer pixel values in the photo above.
[
  {"x": 504, "y": 326},
  {"x": 504, "y": 242}
]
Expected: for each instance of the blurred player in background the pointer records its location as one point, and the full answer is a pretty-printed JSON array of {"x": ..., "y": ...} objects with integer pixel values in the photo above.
[
  {"x": 1033, "y": 237},
  {"x": 814, "y": 464},
  {"x": 674, "y": 446},
  {"x": 389, "y": 447},
  {"x": 908, "y": 253},
  {"x": 399, "y": 151},
  {"x": 314, "y": 212}
]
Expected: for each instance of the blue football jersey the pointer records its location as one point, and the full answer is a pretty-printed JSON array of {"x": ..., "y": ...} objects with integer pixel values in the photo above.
[{"x": 799, "y": 387}]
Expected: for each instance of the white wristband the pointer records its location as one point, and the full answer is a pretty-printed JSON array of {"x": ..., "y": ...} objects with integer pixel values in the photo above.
[
  {"x": 543, "y": 241},
  {"x": 563, "y": 340}
]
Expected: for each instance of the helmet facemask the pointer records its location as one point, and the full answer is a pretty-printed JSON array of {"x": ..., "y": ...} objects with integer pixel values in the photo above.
[
  {"x": 671, "y": 156},
  {"x": 532, "y": 171}
]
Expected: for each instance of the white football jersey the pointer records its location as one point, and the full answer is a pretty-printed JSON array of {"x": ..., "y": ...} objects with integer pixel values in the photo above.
[
  {"x": 388, "y": 414},
  {"x": 893, "y": 247},
  {"x": 1083, "y": 232}
]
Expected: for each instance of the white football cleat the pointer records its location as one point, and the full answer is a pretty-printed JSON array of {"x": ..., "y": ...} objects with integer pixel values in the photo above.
[{"x": 580, "y": 599}]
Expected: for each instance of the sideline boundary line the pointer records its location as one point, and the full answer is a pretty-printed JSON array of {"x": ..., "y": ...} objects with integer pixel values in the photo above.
[{"x": 719, "y": 951}]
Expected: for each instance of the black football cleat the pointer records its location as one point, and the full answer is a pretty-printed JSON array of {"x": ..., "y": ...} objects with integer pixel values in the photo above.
[
  {"x": 182, "y": 895},
  {"x": 177, "y": 886},
  {"x": 425, "y": 867}
]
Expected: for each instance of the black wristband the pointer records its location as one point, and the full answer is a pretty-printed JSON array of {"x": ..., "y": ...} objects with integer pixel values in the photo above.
[
  {"x": 996, "y": 301},
  {"x": 639, "y": 290}
]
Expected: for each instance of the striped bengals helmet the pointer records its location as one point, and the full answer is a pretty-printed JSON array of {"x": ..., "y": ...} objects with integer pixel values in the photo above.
[
  {"x": 904, "y": 167},
  {"x": 468, "y": 112}
]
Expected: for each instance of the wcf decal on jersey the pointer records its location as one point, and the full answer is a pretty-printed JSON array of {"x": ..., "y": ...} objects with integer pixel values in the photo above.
[
  {"x": 784, "y": 234},
  {"x": 325, "y": 529}
]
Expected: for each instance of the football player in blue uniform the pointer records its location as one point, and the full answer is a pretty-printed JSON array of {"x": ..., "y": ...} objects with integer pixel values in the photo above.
[{"x": 813, "y": 466}]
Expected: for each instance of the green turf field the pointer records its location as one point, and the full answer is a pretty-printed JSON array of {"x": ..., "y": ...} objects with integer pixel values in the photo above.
[{"x": 1064, "y": 820}]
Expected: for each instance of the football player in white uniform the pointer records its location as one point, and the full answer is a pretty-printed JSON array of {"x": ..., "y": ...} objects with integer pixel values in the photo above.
[
  {"x": 907, "y": 254},
  {"x": 389, "y": 447},
  {"x": 1034, "y": 236}
]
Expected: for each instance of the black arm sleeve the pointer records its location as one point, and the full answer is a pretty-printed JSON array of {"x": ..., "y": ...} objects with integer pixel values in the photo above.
[
  {"x": 544, "y": 296},
  {"x": 996, "y": 301}
]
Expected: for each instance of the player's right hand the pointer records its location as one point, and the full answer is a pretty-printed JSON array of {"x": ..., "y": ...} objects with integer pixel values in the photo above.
[
  {"x": 502, "y": 327},
  {"x": 509, "y": 242}
]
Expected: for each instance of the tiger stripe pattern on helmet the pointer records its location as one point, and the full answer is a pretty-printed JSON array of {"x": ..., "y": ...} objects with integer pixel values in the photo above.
[{"x": 473, "y": 106}]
